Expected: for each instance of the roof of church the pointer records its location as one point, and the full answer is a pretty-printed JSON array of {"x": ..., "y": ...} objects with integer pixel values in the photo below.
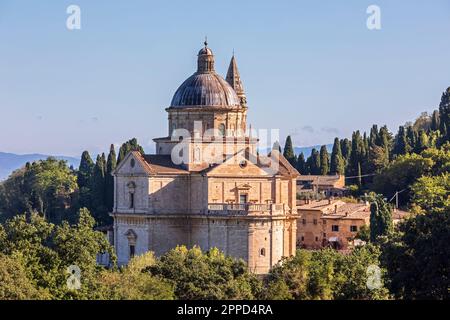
[
  {"x": 160, "y": 164},
  {"x": 234, "y": 78},
  {"x": 205, "y": 88}
]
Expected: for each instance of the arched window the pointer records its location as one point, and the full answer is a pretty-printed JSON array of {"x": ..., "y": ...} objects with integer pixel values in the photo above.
[
  {"x": 132, "y": 238},
  {"x": 222, "y": 130},
  {"x": 262, "y": 252}
]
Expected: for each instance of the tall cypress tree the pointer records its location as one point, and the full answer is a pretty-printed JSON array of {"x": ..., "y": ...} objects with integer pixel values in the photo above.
[
  {"x": 324, "y": 161},
  {"x": 314, "y": 162},
  {"x": 85, "y": 171},
  {"x": 356, "y": 156},
  {"x": 444, "y": 115},
  {"x": 380, "y": 218},
  {"x": 289, "y": 152},
  {"x": 401, "y": 146},
  {"x": 127, "y": 147},
  {"x": 301, "y": 163},
  {"x": 337, "y": 165},
  {"x": 109, "y": 179},
  {"x": 98, "y": 191},
  {"x": 84, "y": 180},
  {"x": 435, "y": 121},
  {"x": 412, "y": 137},
  {"x": 422, "y": 141},
  {"x": 346, "y": 148}
]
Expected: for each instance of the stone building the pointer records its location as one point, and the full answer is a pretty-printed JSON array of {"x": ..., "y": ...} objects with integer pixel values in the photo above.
[
  {"x": 330, "y": 223},
  {"x": 330, "y": 186},
  {"x": 206, "y": 185}
]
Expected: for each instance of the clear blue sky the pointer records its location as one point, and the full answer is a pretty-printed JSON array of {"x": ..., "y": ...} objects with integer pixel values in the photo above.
[{"x": 311, "y": 69}]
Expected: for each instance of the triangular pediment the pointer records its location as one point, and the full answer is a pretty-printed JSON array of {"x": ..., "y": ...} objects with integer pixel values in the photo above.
[{"x": 132, "y": 164}]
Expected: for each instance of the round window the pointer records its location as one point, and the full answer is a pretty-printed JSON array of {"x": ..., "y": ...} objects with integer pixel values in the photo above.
[{"x": 243, "y": 164}]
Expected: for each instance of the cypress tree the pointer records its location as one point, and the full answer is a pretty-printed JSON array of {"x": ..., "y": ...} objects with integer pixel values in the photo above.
[
  {"x": 337, "y": 165},
  {"x": 84, "y": 180},
  {"x": 380, "y": 218},
  {"x": 301, "y": 163},
  {"x": 324, "y": 161},
  {"x": 314, "y": 165},
  {"x": 444, "y": 115},
  {"x": 85, "y": 171},
  {"x": 401, "y": 146},
  {"x": 435, "y": 121},
  {"x": 412, "y": 137},
  {"x": 422, "y": 141},
  {"x": 127, "y": 147},
  {"x": 356, "y": 156},
  {"x": 346, "y": 148},
  {"x": 289, "y": 152},
  {"x": 98, "y": 191},
  {"x": 109, "y": 179}
]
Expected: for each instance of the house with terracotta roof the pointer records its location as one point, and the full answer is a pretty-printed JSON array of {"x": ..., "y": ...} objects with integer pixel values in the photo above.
[{"x": 330, "y": 223}]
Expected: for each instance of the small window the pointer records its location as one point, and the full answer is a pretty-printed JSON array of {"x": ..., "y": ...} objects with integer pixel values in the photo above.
[
  {"x": 317, "y": 239},
  {"x": 303, "y": 238},
  {"x": 243, "y": 198},
  {"x": 132, "y": 251},
  {"x": 315, "y": 221},
  {"x": 243, "y": 164},
  {"x": 353, "y": 229},
  {"x": 132, "y": 163},
  {"x": 303, "y": 221},
  {"x": 262, "y": 252},
  {"x": 131, "y": 200},
  {"x": 222, "y": 130},
  {"x": 335, "y": 228}
]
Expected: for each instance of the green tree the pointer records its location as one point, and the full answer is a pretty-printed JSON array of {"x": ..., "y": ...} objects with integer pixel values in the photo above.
[
  {"x": 133, "y": 282},
  {"x": 205, "y": 276},
  {"x": 416, "y": 257},
  {"x": 444, "y": 114},
  {"x": 127, "y": 147},
  {"x": 314, "y": 162},
  {"x": 435, "y": 121},
  {"x": 289, "y": 152},
  {"x": 109, "y": 179},
  {"x": 84, "y": 180},
  {"x": 14, "y": 281},
  {"x": 337, "y": 165},
  {"x": 46, "y": 186},
  {"x": 301, "y": 164},
  {"x": 431, "y": 193},
  {"x": 324, "y": 161},
  {"x": 380, "y": 218},
  {"x": 98, "y": 193},
  {"x": 401, "y": 146}
]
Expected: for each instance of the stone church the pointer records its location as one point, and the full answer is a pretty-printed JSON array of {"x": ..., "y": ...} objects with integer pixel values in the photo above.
[{"x": 207, "y": 185}]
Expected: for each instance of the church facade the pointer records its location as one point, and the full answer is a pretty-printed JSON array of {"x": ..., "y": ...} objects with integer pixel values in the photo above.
[{"x": 207, "y": 185}]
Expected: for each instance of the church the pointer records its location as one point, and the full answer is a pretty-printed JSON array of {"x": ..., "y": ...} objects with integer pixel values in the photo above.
[{"x": 207, "y": 185}]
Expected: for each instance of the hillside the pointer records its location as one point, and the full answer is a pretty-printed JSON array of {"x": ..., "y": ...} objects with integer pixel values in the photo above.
[{"x": 10, "y": 162}]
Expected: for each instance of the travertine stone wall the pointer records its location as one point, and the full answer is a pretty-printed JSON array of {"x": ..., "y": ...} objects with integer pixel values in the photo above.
[{"x": 262, "y": 243}]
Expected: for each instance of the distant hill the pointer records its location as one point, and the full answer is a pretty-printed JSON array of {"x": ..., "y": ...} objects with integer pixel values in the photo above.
[
  {"x": 306, "y": 150},
  {"x": 10, "y": 162}
]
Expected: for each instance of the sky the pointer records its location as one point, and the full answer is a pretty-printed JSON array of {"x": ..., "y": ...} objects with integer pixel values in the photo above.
[{"x": 310, "y": 68}]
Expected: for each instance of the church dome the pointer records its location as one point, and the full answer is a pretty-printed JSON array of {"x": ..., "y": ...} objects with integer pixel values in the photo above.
[{"x": 205, "y": 88}]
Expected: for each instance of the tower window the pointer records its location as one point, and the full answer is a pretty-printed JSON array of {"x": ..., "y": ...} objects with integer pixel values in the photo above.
[
  {"x": 132, "y": 251},
  {"x": 262, "y": 252},
  {"x": 131, "y": 200}
]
